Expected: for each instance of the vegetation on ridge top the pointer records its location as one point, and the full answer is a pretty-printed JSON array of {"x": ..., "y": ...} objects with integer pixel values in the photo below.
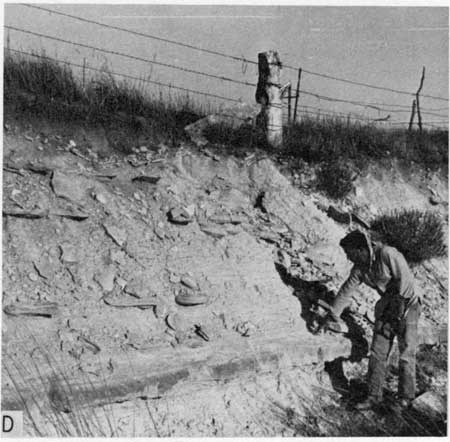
[{"x": 43, "y": 87}]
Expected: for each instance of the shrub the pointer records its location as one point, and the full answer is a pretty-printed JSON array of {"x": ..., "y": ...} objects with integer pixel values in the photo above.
[
  {"x": 335, "y": 179},
  {"x": 417, "y": 235}
]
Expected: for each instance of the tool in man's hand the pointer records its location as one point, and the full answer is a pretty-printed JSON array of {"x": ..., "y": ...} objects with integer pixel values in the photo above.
[{"x": 324, "y": 320}]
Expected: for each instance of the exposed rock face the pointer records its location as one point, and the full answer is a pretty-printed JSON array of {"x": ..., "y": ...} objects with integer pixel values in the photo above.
[
  {"x": 128, "y": 250},
  {"x": 245, "y": 223}
]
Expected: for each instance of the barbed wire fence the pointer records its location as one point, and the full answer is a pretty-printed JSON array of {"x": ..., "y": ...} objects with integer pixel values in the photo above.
[{"x": 293, "y": 111}]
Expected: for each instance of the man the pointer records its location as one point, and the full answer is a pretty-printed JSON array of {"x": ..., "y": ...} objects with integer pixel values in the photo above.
[{"x": 397, "y": 313}]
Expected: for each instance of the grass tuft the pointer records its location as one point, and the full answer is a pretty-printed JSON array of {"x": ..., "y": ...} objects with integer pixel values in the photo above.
[
  {"x": 335, "y": 179},
  {"x": 38, "y": 86},
  {"x": 223, "y": 134},
  {"x": 317, "y": 140}
]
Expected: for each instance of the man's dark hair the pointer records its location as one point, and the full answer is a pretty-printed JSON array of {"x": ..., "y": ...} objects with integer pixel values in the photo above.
[{"x": 354, "y": 240}]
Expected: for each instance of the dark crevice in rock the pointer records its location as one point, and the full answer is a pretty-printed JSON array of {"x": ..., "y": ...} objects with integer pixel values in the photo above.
[{"x": 259, "y": 203}]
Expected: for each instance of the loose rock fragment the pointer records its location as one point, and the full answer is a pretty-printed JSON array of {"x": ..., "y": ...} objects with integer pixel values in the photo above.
[
  {"x": 33, "y": 277},
  {"x": 189, "y": 282},
  {"x": 69, "y": 253},
  {"x": 135, "y": 162},
  {"x": 160, "y": 309},
  {"x": 346, "y": 217},
  {"x": 75, "y": 215},
  {"x": 121, "y": 282},
  {"x": 101, "y": 198},
  {"x": 46, "y": 309},
  {"x": 29, "y": 214},
  {"x": 118, "y": 235},
  {"x": 44, "y": 268},
  {"x": 245, "y": 328},
  {"x": 126, "y": 302},
  {"x": 146, "y": 179},
  {"x": 213, "y": 231},
  {"x": 285, "y": 259},
  {"x": 269, "y": 237},
  {"x": 436, "y": 200},
  {"x": 94, "y": 348},
  {"x": 431, "y": 404},
  {"x": 70, "y": 186},
  {"x": 138, "y": 287},
  {"x": 179, "y": 215},
  {"x": 106, "y": 279},
  {"x": 226, "y": 218},
  {"x": 201, "y": 332},
  {"x": 171, "y": 321},
  {"x": 188, "y": 299}
]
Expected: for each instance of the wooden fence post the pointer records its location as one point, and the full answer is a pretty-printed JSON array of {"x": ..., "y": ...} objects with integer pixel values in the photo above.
[
  {"x": 84, "y": 73},
  {"x": 289, "y": 104},
  {"x": 413, "y": 113},
  {"x": 8, "y": 49},
  {"x": 419, "y": 116},
  {"x": 297, "y": 93},
  {"x": 268, "y": 94}
]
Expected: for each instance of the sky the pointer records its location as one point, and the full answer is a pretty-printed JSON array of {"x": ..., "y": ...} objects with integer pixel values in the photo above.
[{"x": 382, "y": 46}]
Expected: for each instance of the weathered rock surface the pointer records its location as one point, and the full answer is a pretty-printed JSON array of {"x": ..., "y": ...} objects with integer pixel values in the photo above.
[
  {"x": 432, "y": 405},
  {"x": 245, "y": 222}
]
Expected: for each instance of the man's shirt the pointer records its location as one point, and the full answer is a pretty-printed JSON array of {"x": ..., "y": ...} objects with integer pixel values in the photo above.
[{"x": 388, "y": 273}]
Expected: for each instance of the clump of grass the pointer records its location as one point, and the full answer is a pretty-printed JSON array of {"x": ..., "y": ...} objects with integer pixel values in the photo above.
[
  {"x": 335, "y": 179},
  {"x": 320, "y": 140},
  {"x": 42, "y": 87},
  {"x": 221, "y": 133},
  {"x": 42, "y": 77},
  {"x": 317, "y": 140},
  {"x": 416, "y": 234}
]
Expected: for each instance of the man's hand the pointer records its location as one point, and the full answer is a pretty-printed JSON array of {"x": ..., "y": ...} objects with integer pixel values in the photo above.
[
  {"x": 335, "y": 324},
  {"x": 387, "y": 329}
]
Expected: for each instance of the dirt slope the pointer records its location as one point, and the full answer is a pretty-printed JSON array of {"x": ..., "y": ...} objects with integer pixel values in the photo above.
[
  {"x": 92, "y": 232},
  {"x": 94, "y": 237}
]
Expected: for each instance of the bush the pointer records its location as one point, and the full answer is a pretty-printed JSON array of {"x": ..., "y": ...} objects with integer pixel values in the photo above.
[
  {"x": 335, "y": 179},
  {"x": 417, "y": 235}
]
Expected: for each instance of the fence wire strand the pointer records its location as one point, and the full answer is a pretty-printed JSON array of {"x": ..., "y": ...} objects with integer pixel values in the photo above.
[
  {"x": 142, "y": 34},
  {"x": 132, "y": 57},
  {"x": 229, "y": 56},
  {"x": 131, "y": 77}
]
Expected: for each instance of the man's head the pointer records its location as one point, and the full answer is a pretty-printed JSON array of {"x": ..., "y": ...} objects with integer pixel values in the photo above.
[{"x": 356, "y": 247}]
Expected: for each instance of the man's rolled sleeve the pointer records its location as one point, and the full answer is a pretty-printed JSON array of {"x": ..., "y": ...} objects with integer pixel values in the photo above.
[{"x": 343, "y": 298}]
